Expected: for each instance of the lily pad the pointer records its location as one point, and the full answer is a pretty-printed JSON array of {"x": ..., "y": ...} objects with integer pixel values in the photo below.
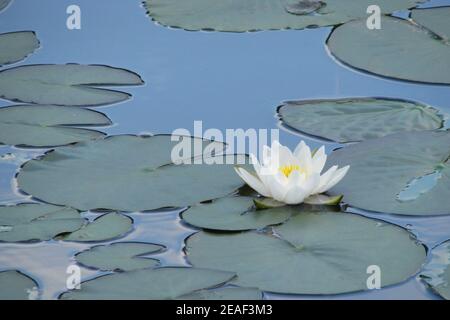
[
  {"x": 15, "y": 285},
  {"x": 436, "y": 273},
  {"x": 149, "y": 284},
  {"x": 400, "y": 50},
  {"x": 69, "y": 84},
  {"x": 16, "y": 46},
  {"x": 254, "y": 15},
  {"x": 357, "y": 119},
  {"x": 45, "y": 126},
  {"x": 434, "y": 19},
  {"x": 123, "y": 256},
  {"x": 228, "y": 293},
  {"x": 31, "y": 221},
  {"x": 128, "y": 173},
  {"x": 232, "y": 214},
  {"x": 106, "y": 227},
  {"x": 314, "y": 253},
  {"x": 382, "y": 168}
]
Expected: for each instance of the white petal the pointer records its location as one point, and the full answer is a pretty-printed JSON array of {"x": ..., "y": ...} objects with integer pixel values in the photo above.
[
  {"x": 253, "y": 182},
  {"x": 299, "y": 147},
  {"x": 325, "y": 179},
  {"x": 319, "y": 160},
  {"x": 338, "y": 176},
  {"x": 295, "y": 195},
  {"x": 255, "y": 163},
  {"x": 276, "y": 186},
  {"x": 311, "y": 183},
  {"x": 266, "y": 154},
  {"x": 304, "y": 157}
]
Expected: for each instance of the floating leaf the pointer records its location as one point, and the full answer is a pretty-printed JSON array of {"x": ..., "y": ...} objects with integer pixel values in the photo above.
[
  {"x": 31, "y": 221},
  {"x": 128, "y": 173},
  {"x": 105, "y": 227},
  {"x": 318, "y": 253},
  {"x": 254, "y": 15},
  {"x": 434, "y": 19},
  {"x": 123, "y": 256},
  {"x": 232, "y": 214},
  {"x": 15, "y": 285},
  {"x": 16, "y": 46},
  {"x": 228, "y": 293},
  {"x": 380, "y": 169},
  {"x": 45, "y": 126},
  {"x": 357, "y": 119},
  {"x": 267, "y": 203},
  {"x": 436, "y": 272},
  {"x": 400, "y": 50},
  {"x": 324, "y": 200},
  {"x": 157, "y": 284},
  {"x": 69, "y": 84}
]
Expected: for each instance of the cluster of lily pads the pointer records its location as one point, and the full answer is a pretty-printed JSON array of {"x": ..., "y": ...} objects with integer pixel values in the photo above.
[{"x": 245, "y": 246}]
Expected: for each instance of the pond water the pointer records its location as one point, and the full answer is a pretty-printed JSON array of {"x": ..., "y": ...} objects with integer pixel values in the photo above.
[{"x": 226, "y": 80}]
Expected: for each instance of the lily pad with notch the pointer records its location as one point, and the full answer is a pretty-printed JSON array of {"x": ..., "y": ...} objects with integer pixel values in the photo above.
[
  {"x": 436, "y": 273},
  {"x": 68, "y": 84},
  {"x": 15, "y": 285},
  {"x": 149, "y": 284},
  {"x": 311, "y": 253},
  {"x": 400, "y": 49},
  {"x": 358, "y": 119},
  {"x": 132, "y": 173},
  {"x": 47, "y": 126},
  {"x": 120, "y": 256},
  {"x": 255, "y": 15},
  {"x": 37, "y": 222},
  {"x": 16, "y": 46},
  {"x": 232, "y": 214},
  {"x": 106, "y": 227},
  {"x": 382, "y": 169}
]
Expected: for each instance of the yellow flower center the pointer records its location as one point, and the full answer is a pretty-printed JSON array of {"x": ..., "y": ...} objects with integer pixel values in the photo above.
[{"x": 287, "y": 170}]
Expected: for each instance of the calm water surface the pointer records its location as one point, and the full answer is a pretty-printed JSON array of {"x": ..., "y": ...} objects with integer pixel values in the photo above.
[{"x": 226, "y": 80}]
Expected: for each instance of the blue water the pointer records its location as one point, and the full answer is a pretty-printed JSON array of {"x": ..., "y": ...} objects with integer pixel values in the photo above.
[{"x": 226, "y": 80}]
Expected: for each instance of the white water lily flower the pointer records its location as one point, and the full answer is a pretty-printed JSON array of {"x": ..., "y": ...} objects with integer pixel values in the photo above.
[{"x": 292, "y": 177}]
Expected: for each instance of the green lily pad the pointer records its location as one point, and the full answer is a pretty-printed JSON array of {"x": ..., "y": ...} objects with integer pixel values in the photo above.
[
  {"x": 314, "y": 253},
  {"x": 357, "y": 119},
  {"x": 106, "y": 227},
  {"x": 400, "y": 50},
  {"x": 128, "y": 173},
  {"x": 123, "y": 256},
  {"x": 68, "y": 85},
  {"x": 4, "y": 4},
  {"x": 434, "y": 19},
  {"x": 436, "y": 273},
  {"x": 254, "y": 15},
  {"x": 149, "y": 284},
  {"x": 232, "y": 214},
  {"x": 31, "y": 221},
  {"x": 15, "y": 285},
  {"x": 262, "y": 203},
  {"x": 228, "y": 293},
  {"x": 45, "y": 126},
  {"x": 16, "y": 46},
  {"x": 381, "y": 169}
]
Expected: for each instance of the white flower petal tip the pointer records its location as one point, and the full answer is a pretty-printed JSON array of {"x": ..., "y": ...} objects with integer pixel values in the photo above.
[
  {"x": 292, "y": 177},
  {"x": 321, "y": 199},
  {"x": 267, "y": 203}
]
